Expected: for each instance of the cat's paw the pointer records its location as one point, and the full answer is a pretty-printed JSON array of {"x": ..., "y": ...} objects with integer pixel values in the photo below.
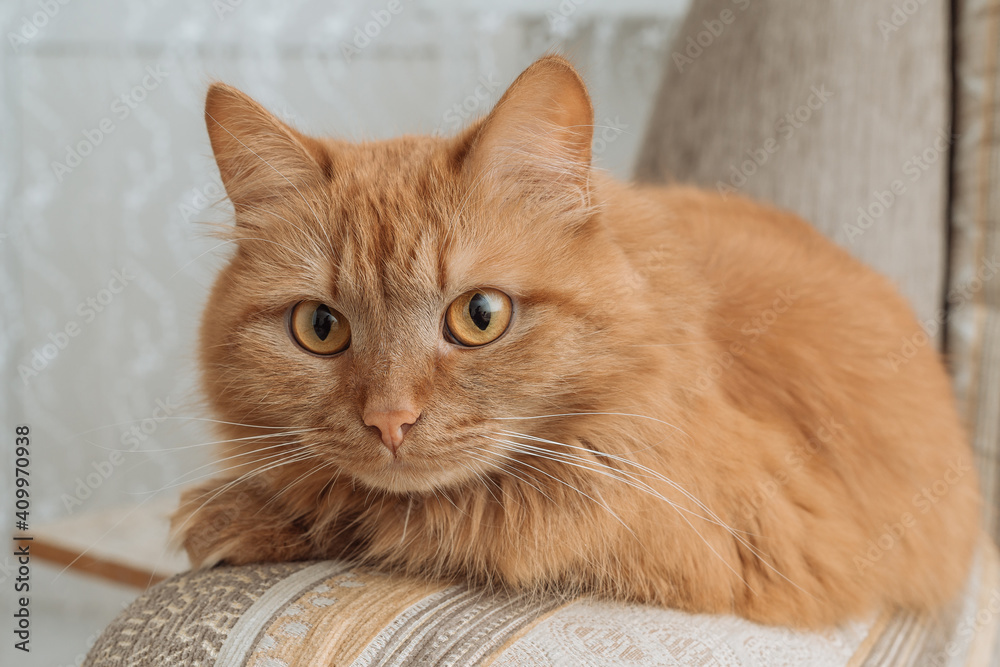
[{"x": 222, "y": 522}]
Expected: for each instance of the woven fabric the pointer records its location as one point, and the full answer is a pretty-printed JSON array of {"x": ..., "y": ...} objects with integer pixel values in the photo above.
[
  {"x": 331, "y": 613},
  {"x": 974, "y": 284},
  {"x": 186, "y": 619}
]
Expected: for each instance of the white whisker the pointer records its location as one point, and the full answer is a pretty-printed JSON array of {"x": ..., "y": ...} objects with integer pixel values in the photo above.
[
  {"x": 715, "y": 518},
  {"x": 582, "y": 414},
  {"x": 180, "y": 481}
]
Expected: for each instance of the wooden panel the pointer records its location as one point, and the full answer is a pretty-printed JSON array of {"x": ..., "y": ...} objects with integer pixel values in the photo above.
[{"x": 126, "y": 544}]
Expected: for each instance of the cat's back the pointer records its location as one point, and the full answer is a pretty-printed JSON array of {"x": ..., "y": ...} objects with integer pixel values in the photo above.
[
  {"x": 791, "y": 301},
  {"x": 756, "y": 258},
  {"x": 799, "y": 333}
]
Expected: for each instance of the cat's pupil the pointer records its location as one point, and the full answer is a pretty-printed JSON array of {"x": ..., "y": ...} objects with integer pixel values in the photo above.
[
  {"x": 323, "y": 321},
  {"x": 480, "y": 311}
]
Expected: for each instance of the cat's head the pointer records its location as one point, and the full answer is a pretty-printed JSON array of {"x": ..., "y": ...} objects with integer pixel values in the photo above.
[{"x": 393, "y": 307}]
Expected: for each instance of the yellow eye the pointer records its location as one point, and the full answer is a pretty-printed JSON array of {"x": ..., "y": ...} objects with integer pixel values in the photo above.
[
  {"x": 319, "y": 328},
  {"x": 479, "y": 317}
]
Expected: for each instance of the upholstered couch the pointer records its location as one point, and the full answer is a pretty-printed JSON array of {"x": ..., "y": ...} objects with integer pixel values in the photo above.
[
  {"x": 891, "y": 91},
  {"x": 330, "y": 613}
]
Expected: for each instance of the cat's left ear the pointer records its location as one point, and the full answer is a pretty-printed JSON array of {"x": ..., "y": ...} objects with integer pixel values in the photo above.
[
  {"x": 260, "y": 158},
  {"x": 539, "y": 133}
]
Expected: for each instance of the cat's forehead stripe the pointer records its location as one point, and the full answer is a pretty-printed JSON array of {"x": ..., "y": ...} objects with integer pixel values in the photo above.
[{"x": 389, "y": 202}]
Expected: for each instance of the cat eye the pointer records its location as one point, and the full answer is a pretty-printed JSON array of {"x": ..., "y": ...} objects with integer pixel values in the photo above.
[
  {"x": 478, "y": 317},
  {"x": 319, "y": 329}
]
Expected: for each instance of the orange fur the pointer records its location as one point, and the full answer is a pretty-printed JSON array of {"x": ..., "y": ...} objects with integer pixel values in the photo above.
[{"x": 706, "y": 407}]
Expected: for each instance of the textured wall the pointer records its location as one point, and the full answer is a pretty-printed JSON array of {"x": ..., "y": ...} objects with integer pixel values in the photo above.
[{"x": 104, "y": 263}]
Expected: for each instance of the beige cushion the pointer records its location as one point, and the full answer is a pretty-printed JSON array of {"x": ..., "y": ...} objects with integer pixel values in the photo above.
[
  {"x": 330, "y": 613},
  {"x": 884, "y": 100}
]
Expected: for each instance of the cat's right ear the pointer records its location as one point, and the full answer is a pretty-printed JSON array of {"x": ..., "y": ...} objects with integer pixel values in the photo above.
[
  {"x": 538, "y": 136},
  {"x": 260, "y": 158}
]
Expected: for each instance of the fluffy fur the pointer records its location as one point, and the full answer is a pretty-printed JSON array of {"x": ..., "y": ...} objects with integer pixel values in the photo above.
[{"x": 699, "y": 403}]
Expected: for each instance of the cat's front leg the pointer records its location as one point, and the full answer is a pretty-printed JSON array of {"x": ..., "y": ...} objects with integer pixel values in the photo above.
[{"x": 238, "y": 522}]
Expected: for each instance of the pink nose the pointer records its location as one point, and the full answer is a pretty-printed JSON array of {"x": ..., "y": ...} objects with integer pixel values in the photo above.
[{"x": 392, "y": 424}]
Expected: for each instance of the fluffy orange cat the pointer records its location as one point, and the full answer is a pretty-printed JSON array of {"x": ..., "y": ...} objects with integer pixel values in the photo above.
[{"x": 478, "y": 358}]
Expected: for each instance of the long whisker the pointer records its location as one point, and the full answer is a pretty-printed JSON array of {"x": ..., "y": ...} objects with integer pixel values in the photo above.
[
  {"x": 716, "y": 519},
  {"x": 309, "y": 473},
  {"x": 697, "y": 532},
  {"x": 288, "y": 458},
  {"x": 486, "y": 481},
  {"x": 110, "y": 529},
  {"x": 180, "y": 481},
  {"x": 143, "y": 450},
  {"x": 593, "y": 466},
  {"x": 582, "y": 493},
  {"x": 406, "y": 521},
  {"x": 508, "y": 469},
  {"x": 649, "y": 472},
  {"x": 293, "y": 458},
  {"x": 601, "y": 503},
  {"x": 582, "y": 414},
  {"x": 201, "y": 419}
]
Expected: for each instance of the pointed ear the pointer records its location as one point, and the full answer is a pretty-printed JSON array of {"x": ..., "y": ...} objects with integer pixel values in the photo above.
[
  {"x": 540, "y": 132},
  {"x": 260, "y": 158}
]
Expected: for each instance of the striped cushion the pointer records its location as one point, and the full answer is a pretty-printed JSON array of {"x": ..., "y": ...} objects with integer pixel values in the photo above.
[{"x": 333, "y": 613}]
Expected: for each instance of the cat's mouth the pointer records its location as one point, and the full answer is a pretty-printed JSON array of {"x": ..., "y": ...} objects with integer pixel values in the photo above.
[{"x": 409, "y": 476}]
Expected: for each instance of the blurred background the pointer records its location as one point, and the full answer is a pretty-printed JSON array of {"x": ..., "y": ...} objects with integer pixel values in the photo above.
[{"x": 106, "y": 174}]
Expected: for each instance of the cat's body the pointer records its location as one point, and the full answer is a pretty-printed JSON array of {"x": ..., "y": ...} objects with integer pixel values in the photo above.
[{"x": 697, "y": 403}]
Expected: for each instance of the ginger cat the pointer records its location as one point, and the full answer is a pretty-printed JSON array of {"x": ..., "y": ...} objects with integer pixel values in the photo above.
[{"x": 478, "y": 358}]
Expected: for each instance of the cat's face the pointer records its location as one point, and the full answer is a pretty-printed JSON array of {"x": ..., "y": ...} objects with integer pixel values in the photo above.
[{"x": 392, "y": 305}]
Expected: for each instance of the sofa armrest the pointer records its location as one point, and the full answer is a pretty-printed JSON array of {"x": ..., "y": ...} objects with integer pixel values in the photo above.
[{"x": 331, "y": 612}]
